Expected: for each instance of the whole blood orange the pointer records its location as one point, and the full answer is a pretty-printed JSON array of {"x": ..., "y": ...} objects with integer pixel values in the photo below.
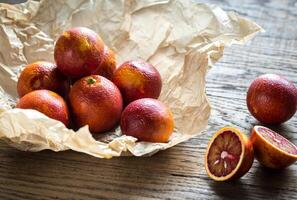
[
  {"x": 46, "y": 102},
  {"x": 147, "y": 120},
  {"x": 97, "y": 102},
  {"x": 137, "y": 79},
  {"x": 271, "y": 149},
  {"x": 272, "y": 99},
  {"x": 229, "y": 155},
  {"x": 78, "y": 52},
  {"x": 42, "y": 75}
]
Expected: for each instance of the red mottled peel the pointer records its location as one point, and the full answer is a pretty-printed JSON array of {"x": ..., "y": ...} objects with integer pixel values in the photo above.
[
  {"x": 137, "y": 79},
  {"x": 148, "y": 120},
  {"x": 42, "y": 75},
  {"x": 97, "y": 102},
  {"x": 79, "y": 52},
  {"x": 46, "y": 102}
]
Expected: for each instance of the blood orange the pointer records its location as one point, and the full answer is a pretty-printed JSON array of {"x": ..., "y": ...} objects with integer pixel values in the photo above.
[
  {"x": 229, "y": 155},
  {"x": 47, "y": 102},
  {"x": 97, "y": 102},
  {"x": 272, "y": 99},
  {"x": 271, "y": 149},
  {"x": 42, "y": 75},
  {"x": 78, "y": 52},
  {"x": 148, "y": 120},
  {"x": 137, "y": 79}
]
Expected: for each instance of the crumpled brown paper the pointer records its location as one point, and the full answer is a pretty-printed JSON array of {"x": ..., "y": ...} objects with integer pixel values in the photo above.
[{"x": 181, "y": 38}]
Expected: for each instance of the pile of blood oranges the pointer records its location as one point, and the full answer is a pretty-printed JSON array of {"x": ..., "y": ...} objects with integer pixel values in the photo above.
[{"x": 84, "y": 87}]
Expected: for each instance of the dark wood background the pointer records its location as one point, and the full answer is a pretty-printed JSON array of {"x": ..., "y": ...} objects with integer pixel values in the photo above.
[{"x": 178, "y": 173}]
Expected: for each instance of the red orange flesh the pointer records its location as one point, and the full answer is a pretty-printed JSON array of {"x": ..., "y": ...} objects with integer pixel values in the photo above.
[
  {"x": 229, "y": 155},
  {"x": 271, "y": 149}
]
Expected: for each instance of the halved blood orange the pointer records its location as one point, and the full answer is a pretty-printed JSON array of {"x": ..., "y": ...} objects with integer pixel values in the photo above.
[
  {"x": 271, "y": 149},
  {"x": 229, "y": 155}
]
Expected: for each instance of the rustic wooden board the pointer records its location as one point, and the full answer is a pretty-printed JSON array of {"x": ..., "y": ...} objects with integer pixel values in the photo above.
[{"x": 178, "y": 173}]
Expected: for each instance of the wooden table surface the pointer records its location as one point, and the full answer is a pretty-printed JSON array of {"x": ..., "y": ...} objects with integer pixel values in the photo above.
[{"x": 178, "y": 173}]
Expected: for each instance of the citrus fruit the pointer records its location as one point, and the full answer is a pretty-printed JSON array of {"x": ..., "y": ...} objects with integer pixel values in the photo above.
[
  {"x": 271, "y": 149},
  {"x": 137, "y": 79},
  {"x": 147, "y": 120},
  {"x": 78, "y": 52},
  {"x": 97, "y": 102},
  {"x": 46, "y": 102},
  {"x": 272, "y": 99},
  {"x": 42, "y": 75},
  {"x": 229, "y": 155}
]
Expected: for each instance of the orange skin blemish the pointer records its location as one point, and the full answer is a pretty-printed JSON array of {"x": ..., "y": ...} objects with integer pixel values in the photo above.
[
  {"x": 66, "y": 35},
  {"x": 83, "y": 44},
  {"x": 36, "y": 84},
  {"x": 133, "y": 79}
]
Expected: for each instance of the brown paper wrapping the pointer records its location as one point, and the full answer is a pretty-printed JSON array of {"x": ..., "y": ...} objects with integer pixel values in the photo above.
[{"x": 180, "y": 38}]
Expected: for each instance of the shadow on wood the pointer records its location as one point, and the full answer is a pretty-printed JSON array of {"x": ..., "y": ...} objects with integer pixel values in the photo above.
[
  {"x": 230, "y": 189},
  {"x": 267, "y": 178}
]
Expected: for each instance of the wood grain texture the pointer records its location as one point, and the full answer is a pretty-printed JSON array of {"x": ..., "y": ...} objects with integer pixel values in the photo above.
[{"x": 178, "y": 173}]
